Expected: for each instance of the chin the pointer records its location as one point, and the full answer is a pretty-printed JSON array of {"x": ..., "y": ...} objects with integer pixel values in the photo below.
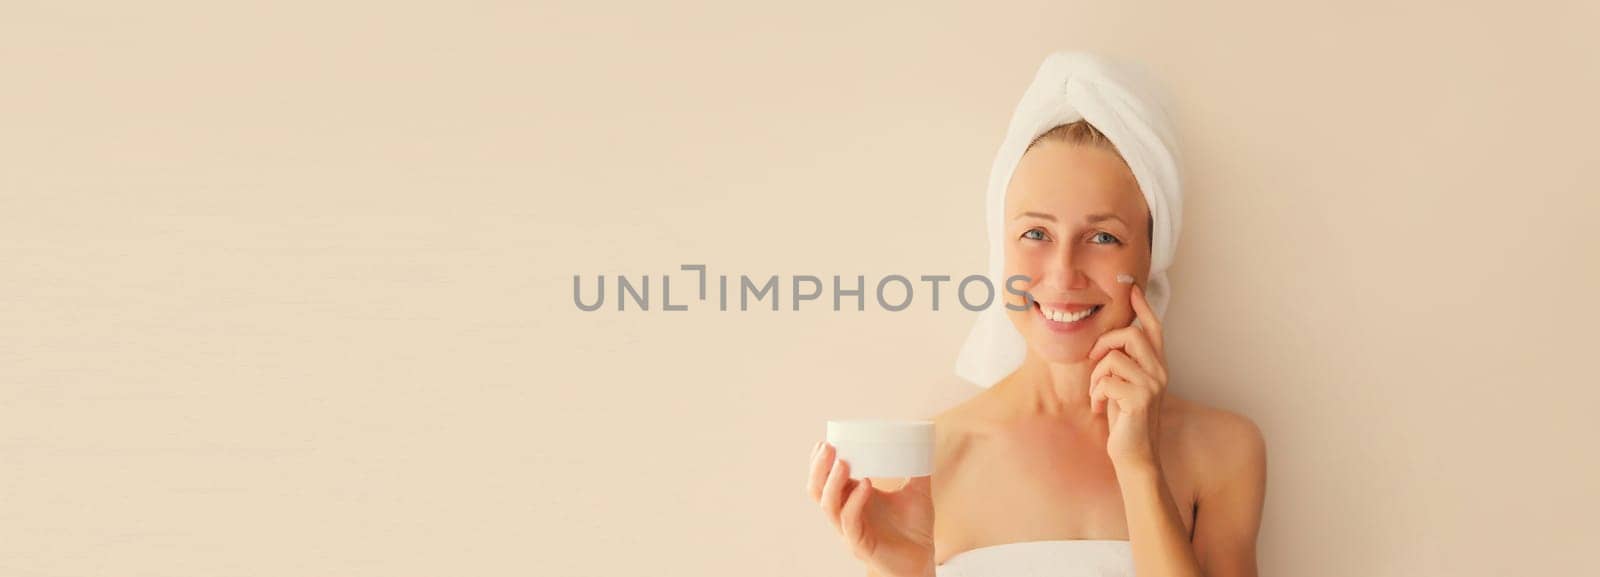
[{"x": 1058, "y": 353}]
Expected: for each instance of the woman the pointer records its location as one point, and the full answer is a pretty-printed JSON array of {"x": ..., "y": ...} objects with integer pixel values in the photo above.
[{"x": 1075, "y": 460}]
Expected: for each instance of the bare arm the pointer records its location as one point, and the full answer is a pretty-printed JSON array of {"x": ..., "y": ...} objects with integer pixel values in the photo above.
[
  {"x": 1160, "y": 545},
  {"x": 1228, "y": 511},
  {"x": 1228, "y": 516}
]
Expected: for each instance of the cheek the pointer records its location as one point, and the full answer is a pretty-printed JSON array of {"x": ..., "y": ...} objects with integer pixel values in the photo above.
[
  {"x": 1113, "y": 263},
  {"x": 1026, "y": 263},
  {"x": 1021, "y": 264},
  {"x": 1023, "y": 260}
]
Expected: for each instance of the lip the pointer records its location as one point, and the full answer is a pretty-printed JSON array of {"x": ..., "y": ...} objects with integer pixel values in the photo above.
[
  {"x": 1066, "y": 306},
  {"x": 1071, "y": 327}
]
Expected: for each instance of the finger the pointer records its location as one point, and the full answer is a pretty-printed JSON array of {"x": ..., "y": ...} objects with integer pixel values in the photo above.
[
  {"x": 1115, "y": 388},
  {"x": 821, "y": 465},
  {"x": 1106, "y": 389},
  {"x": 1147, "y": 319},
  {"x": 918, "y": 485},
  {"x": 1111, "y": 363},
  {"x": 1131, "y": 340},
  {"x": 1120, "y": 364},
  {"x": 1135, "y": 344},
  {"x": 833, "y": 491},
  {"x": 1111, "y": 388},
  {"x": 1096, "y": 399},
  {"x": 811, "y": 464},
  {"x": 1125, "y": 394},
  {"x": 850, "y": 518}
]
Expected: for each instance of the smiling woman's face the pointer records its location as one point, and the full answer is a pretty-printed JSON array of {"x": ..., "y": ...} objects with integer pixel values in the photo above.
[{"x": 1075, "y": 220}]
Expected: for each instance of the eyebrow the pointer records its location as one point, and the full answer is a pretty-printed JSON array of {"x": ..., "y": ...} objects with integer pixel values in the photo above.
[{"x": 1091, "y": 219}]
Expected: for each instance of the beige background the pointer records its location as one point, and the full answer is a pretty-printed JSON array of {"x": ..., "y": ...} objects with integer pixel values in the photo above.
[{"x": 286, "y": 289}]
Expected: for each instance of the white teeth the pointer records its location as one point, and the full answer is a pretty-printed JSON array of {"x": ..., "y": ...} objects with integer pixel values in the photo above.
[{"x": 1064, "y": 316}]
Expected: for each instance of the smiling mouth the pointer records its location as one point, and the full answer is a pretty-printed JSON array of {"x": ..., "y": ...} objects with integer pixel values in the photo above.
[{"x": 1063, "y": 317}]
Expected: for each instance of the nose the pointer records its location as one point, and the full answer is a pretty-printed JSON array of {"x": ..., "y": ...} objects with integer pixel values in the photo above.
[{"x": 1063, "y": 270}]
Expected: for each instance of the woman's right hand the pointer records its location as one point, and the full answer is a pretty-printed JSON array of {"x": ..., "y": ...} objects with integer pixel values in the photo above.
[{"x": 889, "y": 530}]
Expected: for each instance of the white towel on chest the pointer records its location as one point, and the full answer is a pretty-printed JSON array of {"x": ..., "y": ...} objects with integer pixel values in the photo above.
[{"x": 1069, "y": 558}]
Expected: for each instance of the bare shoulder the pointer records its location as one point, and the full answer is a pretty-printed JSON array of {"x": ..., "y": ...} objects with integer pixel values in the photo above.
[
  {"x": 1223, "y": 444},
  {"x": 1211, "y": 426},
  {"x": 951, "y": 423},
  {"x": 955, "y": 427}
]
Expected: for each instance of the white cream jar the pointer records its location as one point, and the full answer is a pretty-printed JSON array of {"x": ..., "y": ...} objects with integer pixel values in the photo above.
[{"x": 883, "y": 448}]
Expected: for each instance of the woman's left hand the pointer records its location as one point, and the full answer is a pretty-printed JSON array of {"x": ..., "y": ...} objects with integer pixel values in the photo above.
[{"x": 1128, "y": 384}]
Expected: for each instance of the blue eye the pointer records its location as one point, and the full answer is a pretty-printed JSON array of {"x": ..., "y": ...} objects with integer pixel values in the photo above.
[
  {"x": 1113, "y": 240},
  {"x": 1033, "y": 234}
]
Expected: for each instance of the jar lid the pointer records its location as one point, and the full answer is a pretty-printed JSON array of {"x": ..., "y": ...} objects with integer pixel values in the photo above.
[{"x": 880, "y": 431}]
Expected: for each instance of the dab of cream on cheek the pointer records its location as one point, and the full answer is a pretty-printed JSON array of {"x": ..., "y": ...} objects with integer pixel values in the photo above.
[{"x": 1125, "y": 278}]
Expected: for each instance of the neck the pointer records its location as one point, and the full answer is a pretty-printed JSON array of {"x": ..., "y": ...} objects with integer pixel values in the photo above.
[{"x": 1039, "y": 387}]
